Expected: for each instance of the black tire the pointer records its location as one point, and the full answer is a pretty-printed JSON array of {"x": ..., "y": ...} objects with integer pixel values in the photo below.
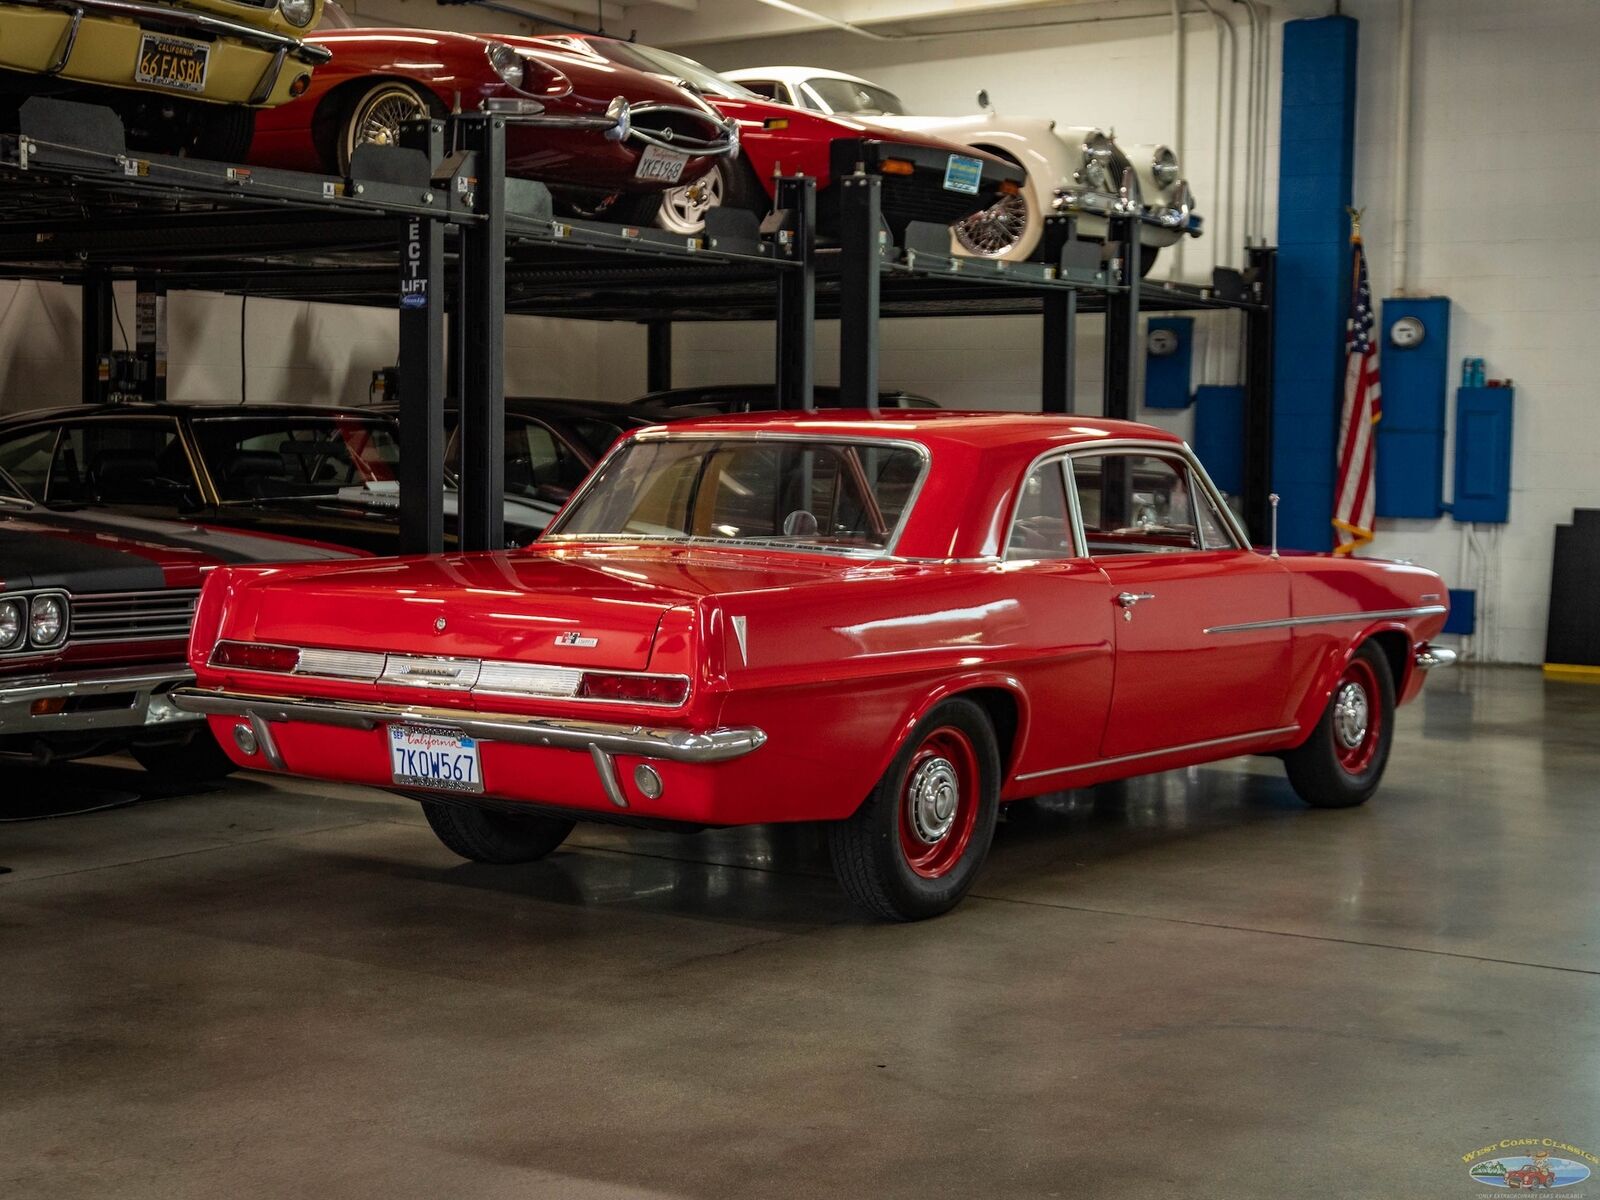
[
  {"x": 872, "y": 851},
  {"x": 199, "y": 760},
  {"x": 223, "y": 134},
  {"x": 485, "y": 836},
  {"x": 1326, "y": 770},
  {"x": 737, "y": 187},
  {"x": 373, "y": 107}
]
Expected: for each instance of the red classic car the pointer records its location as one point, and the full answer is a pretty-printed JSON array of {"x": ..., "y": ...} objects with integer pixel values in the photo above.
[
  {"x": 925, "y": 178},
  {"x": 890, "y": 623},
  {"x": 94, "y": 621},
  {"x": 589, "y": 130}
]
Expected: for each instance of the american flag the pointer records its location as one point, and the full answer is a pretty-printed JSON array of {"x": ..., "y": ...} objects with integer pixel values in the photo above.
[{"x": 1355, "y": 505}]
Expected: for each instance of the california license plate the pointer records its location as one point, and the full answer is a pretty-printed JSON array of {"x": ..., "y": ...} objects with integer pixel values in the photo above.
[
  {"x": 444, "y": 759},
  {"x": 963, "y": 174},
  {"x": 663, "y": 166},
  {"x": 172, "y": 62}
]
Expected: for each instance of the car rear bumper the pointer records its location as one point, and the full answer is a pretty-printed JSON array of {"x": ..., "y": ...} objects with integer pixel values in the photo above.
[
  {"x": 97, "y": 42},
  {"x": 539, "y": 760},
  {"x": 92, "y": 701}
]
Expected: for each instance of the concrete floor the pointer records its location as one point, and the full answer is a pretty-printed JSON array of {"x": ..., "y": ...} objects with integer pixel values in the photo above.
[{"x": 1186, "y": 986}]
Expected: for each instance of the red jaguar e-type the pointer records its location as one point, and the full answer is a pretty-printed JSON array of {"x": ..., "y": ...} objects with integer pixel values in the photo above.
[
  {"x": 888, "y": 623},
  {"x": 588, "y": 130}
]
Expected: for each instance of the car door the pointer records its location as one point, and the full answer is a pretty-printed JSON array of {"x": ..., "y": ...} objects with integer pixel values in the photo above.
[
  {"x": 134, "y": 464},
  {"x": 1178, "y": 573}
]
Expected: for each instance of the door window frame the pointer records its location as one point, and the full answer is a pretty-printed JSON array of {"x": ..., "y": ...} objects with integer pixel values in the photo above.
[{"x": 197, "y": 476}]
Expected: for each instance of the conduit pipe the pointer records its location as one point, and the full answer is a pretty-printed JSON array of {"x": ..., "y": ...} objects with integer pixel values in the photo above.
[
  {"x": 1400, "y": 265},
  {"x": 1222, "y": 241},
  {"x": 1179, "y": 82}
]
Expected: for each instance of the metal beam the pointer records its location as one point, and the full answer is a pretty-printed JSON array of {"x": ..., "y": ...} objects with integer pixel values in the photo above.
[
  {"x": 1122, "y": 323},
  {"x": 421, "y": 385},
  {"x": 658, "y": 356},
  {"x": 797, "y": 297},
  {"x": 860, "y": 282},
  {"x": 1259, "y": 372},
  {"x": 483, "y": 405},
  {"x": 1060, "y": 332},
  {"x": 98, "y": 309}
]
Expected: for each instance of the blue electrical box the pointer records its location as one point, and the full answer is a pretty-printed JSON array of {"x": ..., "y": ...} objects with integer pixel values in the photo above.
[
  {"x": 1416, "y": 386},
  {"x": 1166, "y": 371},
  {"x": 1483, "y": 454},
  {"x": 1463, "y": 618},
  {"x": 1219, "y": 435}
]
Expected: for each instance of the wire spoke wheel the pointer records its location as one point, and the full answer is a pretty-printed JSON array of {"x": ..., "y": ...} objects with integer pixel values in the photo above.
[
  {"x": 939, "y": 802},
  {"x": 683, "y": 209},
  {"x": 1357, "y": 724},
  {"x": 996, "y": 230},
  {"x": 378, "y": 118}
]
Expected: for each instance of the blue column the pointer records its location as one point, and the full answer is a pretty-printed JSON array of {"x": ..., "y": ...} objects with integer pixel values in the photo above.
[{"x": 1314, "y": 186}]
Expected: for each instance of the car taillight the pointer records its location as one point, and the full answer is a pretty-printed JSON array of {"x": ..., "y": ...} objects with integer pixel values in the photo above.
[
  {"x": 897, "y": 166},
  {"x": 255, "y": 656},
  {"x": 634, "y": 689}
]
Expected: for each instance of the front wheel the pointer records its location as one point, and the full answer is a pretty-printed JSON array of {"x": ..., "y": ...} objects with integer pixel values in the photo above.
[
  {"x": 482, "y": 835},
  {"x": 1341, "y": 763},
  {"x": 914, "y": 847},
  {"x": 682, "y": 210}
]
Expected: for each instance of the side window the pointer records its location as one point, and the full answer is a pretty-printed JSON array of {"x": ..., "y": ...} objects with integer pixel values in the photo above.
[
  {"x": 120, "y": 462},
  {"x": 26, "y": 458},
  {"x": 767, "y": 89},
  {"x": 539, "y": 464},
  {"x": 1041, "y": 527},
  {"x": 1136, "y": 504},
  {"x": 1214, "y": 531}
]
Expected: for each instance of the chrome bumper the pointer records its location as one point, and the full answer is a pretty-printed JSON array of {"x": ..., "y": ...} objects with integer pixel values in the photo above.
[
  {"x": 149, "y": 699},
  {"x": 1178, "y": 220},
  {"x": 617, "y": 124},
  {"x": 1429, "y": 657},
  {"x": 603, "y": 741},
  {"x": 172, "y": 17}
]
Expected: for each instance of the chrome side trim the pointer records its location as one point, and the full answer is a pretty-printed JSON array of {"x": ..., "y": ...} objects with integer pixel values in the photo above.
[
  {"x": 1435, "y": 656},
  {"x": 1381, "y": 614},
  {"x": 1258, "y": 735},
  {"x": 675, "y": 745}
]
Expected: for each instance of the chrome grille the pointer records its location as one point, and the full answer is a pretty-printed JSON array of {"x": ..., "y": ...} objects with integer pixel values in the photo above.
[{"x": 133, "y": 616}]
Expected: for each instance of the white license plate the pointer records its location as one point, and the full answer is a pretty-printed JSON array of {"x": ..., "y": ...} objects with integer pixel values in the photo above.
[
  {"x": 172, "y": 62},
  {"x": 434, "y": 758},
  {"x": 664, "y": 166}
]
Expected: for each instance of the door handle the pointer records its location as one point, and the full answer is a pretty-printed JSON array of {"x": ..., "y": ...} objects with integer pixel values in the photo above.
[{"x": 1129, "y": 599}]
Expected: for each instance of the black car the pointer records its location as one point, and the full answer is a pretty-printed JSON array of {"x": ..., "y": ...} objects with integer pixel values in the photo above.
[
  {"x": 95, "y": 610},
  {"x": 312, "y": 471}
]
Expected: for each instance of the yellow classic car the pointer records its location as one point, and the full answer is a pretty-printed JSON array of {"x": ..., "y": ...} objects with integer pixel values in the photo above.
[{"x": 184, "y": 76}]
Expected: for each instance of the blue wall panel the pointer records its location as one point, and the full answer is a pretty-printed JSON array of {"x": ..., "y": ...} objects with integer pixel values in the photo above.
[
  {"x": 1219, "y": 435},
  {"x": 1314, "y": 186},
  {"x": 1411, "y": 434},
  {"x": 1166, "y": 378},
  {"x": 1483, "y": 454},
  {"x": 1463, "y": 618}
]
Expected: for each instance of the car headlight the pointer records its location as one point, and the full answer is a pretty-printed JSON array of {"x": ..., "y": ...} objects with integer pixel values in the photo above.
[
  {"x": 11, "y": 623},
  {"x": 507, "y": 63},
  {"x": 47, "y": 620},
  {"x": 298, "y": 12},
  {"x": 1096, "y": 171},
  {"x": 1165, "y": 166}
]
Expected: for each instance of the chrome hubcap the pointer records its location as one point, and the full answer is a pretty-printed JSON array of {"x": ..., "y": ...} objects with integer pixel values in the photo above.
[
  {"x": 1350, "y": 715},
  {"x": 932, "y": 796},
  {"x": 683, "y": 209},
  {"x": 380, "y": 125},
  {"x": 996, "y": 229}
]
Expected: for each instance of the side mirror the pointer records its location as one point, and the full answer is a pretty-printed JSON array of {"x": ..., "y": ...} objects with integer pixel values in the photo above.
[{"x": 983, "y": 100}]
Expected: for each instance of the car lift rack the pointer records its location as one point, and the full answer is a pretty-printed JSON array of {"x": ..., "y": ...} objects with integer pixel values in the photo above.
[{"x": 434, "y": 226}]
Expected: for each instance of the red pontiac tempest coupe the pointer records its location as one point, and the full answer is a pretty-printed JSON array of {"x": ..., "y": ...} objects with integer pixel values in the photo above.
[
  {"x": 890, "y": 623},
  {"x": 589, "y": 130}
]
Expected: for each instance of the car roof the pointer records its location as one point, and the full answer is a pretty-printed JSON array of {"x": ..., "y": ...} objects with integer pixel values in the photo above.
[
  {"x": 786, "y": 74},
  {"x": 976, "y": 430},
  {"x": 178, "y": 408}
]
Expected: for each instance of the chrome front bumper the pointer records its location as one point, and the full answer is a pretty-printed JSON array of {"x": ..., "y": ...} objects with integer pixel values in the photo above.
[
  {"x": 172, "y": 17},
  {"x": 1180, "y": 220},
  {"x": 603, "y": 741},
  {"x": 1429, "y": 657},
  {"x": 107, "y": 698}
]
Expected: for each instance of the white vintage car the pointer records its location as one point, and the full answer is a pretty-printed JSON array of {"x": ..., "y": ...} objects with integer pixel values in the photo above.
[{"x": 1074, "y": 169}]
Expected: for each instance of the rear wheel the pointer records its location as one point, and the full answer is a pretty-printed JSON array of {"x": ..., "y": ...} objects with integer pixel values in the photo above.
[
  {"x": 1342, "y": 762},
  {"x": 914, "y": 847},
  {"x": 223, "y": 134},
  {"x": 376, "y": 116},
  {"x": 495, "y": 837}
]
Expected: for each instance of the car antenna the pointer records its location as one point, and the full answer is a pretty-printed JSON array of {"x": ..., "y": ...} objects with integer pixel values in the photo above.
[{"x": 1273, "y": 500}]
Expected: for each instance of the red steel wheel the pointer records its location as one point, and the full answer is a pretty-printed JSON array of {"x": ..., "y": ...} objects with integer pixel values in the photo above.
[
  {"x": 1357, "y": 725},
  {"x": 939, "y": 804}
]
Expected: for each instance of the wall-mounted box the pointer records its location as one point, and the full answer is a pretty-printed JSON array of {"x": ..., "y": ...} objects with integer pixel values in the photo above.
[
  {"x": 1219, "y": 435},
  {"x": 1415, "y": 380},
  {"x": 1483, "y": 454},
  {"x": 1168, "y": 359}
]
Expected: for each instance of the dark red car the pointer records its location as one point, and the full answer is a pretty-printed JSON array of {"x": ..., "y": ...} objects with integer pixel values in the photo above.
[
  {"x": 588, "y": 129},
  {"x": 925, "y": 178}
]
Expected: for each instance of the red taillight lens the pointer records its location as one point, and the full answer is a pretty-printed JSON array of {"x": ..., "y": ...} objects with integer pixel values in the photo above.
[
  {"x": 254, "y": 656},
  {"x": 634, "y": 689}
]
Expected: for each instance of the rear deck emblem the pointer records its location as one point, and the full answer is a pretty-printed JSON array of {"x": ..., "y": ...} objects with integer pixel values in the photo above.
[{"x": 575, "y": 639}]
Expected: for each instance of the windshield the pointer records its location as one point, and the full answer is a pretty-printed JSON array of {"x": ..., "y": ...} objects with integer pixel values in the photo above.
[
  {"x": 664, "y": 62},
  {"x": 848, "y": 96},
  {"x": 849, "y": 497},
  {"x": 276, "y": 457}
]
